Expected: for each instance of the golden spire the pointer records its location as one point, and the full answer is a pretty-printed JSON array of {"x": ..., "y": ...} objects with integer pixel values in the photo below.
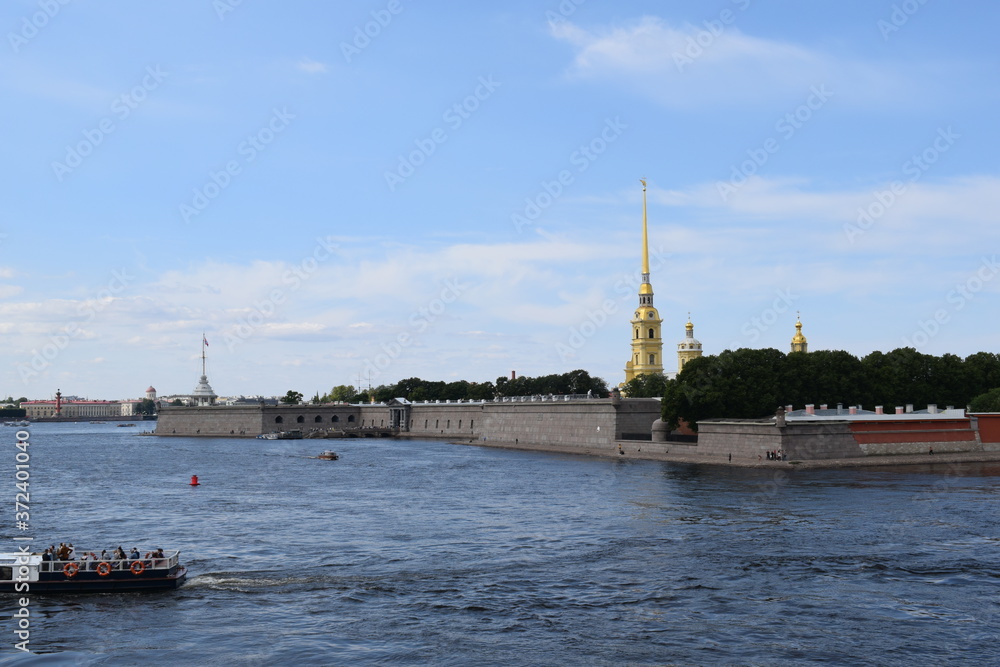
[{"x": 645, "y": 236}]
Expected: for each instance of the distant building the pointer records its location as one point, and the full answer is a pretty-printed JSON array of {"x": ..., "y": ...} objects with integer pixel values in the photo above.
[{"x": 71, "y": 409}]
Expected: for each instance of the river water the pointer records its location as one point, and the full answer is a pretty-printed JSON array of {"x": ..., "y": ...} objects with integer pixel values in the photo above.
[{"x": 431, "y": 553}]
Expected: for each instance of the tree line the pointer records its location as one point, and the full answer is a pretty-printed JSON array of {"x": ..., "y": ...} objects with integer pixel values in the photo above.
[
  {"x": 748, "y": 384},
  {"x": 415, "y": 389}
]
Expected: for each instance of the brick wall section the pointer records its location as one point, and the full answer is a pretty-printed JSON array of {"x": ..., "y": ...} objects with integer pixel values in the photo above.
[{"x": 989, "y": 427}]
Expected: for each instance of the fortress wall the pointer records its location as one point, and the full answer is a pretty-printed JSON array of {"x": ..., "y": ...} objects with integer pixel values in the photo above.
[
  {"x": 209, "y": 421},
  {"x": 750, "y": 440},
  {"x": 446, "y": 420},
  {"x": 585, "y": 427},
  {"x": 312, "y": 417}
]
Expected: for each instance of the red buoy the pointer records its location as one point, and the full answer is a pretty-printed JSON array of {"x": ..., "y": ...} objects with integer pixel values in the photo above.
[{"x": 194, "y": 480}]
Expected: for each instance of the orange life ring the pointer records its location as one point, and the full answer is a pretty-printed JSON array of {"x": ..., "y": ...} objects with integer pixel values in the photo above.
[
  {"x": 104, "y": 568},
  {"x": 138, "y": 567},
  {"x": 71, "y": 569}
]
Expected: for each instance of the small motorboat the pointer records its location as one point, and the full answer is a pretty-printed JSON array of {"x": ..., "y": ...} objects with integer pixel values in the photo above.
[{"x": 328, "y": 456}]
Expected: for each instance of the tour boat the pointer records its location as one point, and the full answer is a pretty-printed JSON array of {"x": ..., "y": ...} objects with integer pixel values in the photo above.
[
  {"x": 328, "y": 455},
  {"x": 28, "y": 573}
]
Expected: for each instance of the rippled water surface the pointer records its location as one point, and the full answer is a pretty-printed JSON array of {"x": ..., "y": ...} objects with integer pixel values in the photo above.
[{"x": 430, "y": 553}]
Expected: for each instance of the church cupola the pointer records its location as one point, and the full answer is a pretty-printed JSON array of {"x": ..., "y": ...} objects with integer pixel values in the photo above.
[{"x": 799, "y": 343}]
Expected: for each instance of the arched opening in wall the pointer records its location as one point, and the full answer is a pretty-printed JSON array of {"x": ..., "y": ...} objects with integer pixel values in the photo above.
[
  {"x": 425, "y": 423},
  {"x": 350, "y": 418},
  {"x": 318, "y": 419},
  {"x": 459, "y": 423},
  {"x": 335, "y": 418},
  {"x": 278, "y": 420},
  {"x": 636, "y": 333},
  {"x": 437, "y": 422},
  {"x": 652, "y": 359},
  {"x": 472, "y": 422},
  {"x": 382, "y": 423},
  {"x": 651, "y": 334},
  {"x": 448, "y": 425},
  {"x": 300, "y": 419}
]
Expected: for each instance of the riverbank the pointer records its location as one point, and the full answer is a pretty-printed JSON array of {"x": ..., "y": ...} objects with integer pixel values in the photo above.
[{"x": 649, "y": 451}]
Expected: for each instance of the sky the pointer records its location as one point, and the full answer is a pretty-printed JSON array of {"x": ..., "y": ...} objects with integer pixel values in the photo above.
[{"x": 344, "y": 193}]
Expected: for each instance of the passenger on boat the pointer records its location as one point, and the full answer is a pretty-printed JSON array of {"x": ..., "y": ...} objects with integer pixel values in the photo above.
[
  {"x": 104, "y": 555},
  {"x": 119, "y": 554},
  {"x": 134, "y": 555}
]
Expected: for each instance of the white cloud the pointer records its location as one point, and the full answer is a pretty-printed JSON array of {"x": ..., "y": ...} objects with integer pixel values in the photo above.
[
  {"x": 691, "y": 67},
  {"x": 311, "y": 66}
]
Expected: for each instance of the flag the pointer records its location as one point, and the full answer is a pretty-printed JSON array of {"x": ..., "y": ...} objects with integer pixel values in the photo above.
[{"x": 204, "y": 340}]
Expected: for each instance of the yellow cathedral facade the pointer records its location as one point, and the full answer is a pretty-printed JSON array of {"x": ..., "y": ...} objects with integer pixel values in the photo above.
[{"x": 647, "y": 342}]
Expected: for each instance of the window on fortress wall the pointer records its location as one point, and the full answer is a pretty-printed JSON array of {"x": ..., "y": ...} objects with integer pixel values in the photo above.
[
  {"x": 382, "y": 423},
  {"x": 350, "y": 418},
  {"x": 472, "y": 422},
  {"x": 300, "y": 419},
  {"x": 318, "y": 419},
  {"x": 278, "y": 420},
  {"x": 459, "y": 423},
  {"x": 335, "y": 418},
  {"x": 425, "y": 423},
  {"x": 448, "y": 425},
  {"x": 437, "y": 422}
]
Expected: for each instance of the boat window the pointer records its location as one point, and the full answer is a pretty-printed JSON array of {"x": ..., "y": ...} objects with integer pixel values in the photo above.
[{"x": 6, "y": 573}]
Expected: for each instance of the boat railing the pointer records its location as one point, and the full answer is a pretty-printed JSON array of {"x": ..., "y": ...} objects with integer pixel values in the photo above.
[{"x": 169, "y": 560}]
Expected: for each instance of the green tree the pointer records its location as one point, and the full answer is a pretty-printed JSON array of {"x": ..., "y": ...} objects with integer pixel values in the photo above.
[
  {"x": 988, "y": 402},
  {"x": 145, "y": 407},
  {"x": 646, "y": 385},
  {"x": 177, "y": 403},
  {"x": 292, "y": 397}
]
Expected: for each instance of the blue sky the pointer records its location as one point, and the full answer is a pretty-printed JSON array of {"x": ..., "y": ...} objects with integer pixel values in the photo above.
[{"x": 451, "y": 190}]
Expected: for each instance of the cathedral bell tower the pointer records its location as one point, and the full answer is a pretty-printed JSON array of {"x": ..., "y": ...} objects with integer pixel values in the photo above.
[{"x": 647, "y": 344}]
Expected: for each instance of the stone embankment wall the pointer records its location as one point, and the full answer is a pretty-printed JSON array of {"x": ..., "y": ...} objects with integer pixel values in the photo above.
[
  {"x": 211, "y": 421},
  {"x": 584, "y": 426}
]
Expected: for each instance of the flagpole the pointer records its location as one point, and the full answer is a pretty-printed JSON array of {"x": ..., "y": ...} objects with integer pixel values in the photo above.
[{"x": 203, "y": 353}]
